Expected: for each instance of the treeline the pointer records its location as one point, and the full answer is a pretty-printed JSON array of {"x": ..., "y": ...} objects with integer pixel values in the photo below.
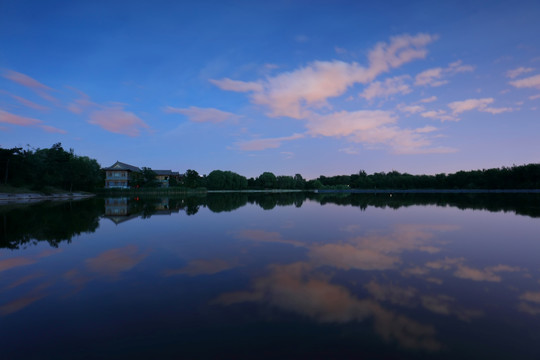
[
  {"x": 53, "y": 167},
  {"x": 515, "y": 177}
]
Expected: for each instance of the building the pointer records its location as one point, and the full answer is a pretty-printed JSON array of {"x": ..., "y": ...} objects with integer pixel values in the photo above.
[
  {"x": 163, "y": 177},
  {"x": 119, "y": 175}
]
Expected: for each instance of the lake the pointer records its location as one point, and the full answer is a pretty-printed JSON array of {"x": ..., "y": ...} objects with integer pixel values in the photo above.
[{"x": 272, "y": 275}]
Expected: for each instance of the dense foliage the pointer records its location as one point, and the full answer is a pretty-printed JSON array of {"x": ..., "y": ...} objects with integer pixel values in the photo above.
[
  {"x": 55, "y": 167},
  {"x": 515, "y": 177}
]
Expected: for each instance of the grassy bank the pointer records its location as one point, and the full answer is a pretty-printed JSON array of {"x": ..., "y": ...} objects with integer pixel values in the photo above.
[{"x": 151, "y": 191}]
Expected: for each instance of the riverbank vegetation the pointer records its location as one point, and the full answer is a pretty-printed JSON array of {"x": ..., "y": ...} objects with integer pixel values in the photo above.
[{"x": 56, "y": 168}]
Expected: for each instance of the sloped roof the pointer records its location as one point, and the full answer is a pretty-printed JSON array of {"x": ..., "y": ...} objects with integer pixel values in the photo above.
[
  {"x": 166, "y": 172},
  {"x": 122, "y": 166}
]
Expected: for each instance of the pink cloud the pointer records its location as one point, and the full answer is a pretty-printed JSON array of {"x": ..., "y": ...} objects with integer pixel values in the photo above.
[
  {"x": 115, "y": 261},
  {"x": 391, "y": 86},
  {"x": 29, "y": 103},
  {"x": 25, "y": 80},
  {"x": 118, "y": 121},
  {"x": 435, "y": 77},
  {"x": 237, "y": 86},
  {"x": 292, "y": 93},
  {"x": 79, "y": 105},
  {"x": 346, "y": 123},
  {"x": 52, "y": 129},
  {"x": 197, "y": 114},
  {"x": 476, "y": 104},
  {"x": 263, "y": 144},
  {"x": 13, "y": 119},
  {"x": 514, "y": 73},
  {"x": 530, "y": 82}
]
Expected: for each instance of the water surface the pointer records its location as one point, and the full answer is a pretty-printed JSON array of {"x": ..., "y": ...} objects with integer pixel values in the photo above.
[{"x": 272, "y": 276}]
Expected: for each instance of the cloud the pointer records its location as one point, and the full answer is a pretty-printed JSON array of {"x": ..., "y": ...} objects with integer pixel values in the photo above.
[
  {"x": 530, "y": 82},
  {"x": 81, "y": 104},
  {"x": 52, "y": 129},
  {"x": 429, "y": 99},
  {"x": 236, "y": 85},
  {"x": 534, "y": 97},
  {"x": 20, "y": 303},
  {"x": 438, "y": 114},
  {"x": 13, "y": 119},
  {"x": 459, "y": 107},
  {"x": 411, "y": 109},
  {"x": 435, "y": 77},
  {"x": 301, "y": 93},
  {"x": 15, "y": 262},
  {"x": 430, "y": 77},
  {"x": 29, "y": 104},
  {"x": 115, "y": 261},
  {"x": 346, "y": 123},
  {"x": 197, "y": 114},
  {"x": 118, "y": 121},
  {"x": 514, "y": 73},
  {"x": 296, "y": 288},
  {"x": 34, "y": 85},
  {"x": 401, "y": 141},
  {"x": 391, "y": 86},
  {"x": 263, "y": 144},
  {"x": 292, "y": 93},
  {"x": 350, "y": 150}
]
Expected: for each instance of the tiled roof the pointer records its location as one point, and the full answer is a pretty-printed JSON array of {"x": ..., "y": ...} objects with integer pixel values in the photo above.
[
  {"x": 122, "y": 166},
  {"x": 166, "y": 172}
]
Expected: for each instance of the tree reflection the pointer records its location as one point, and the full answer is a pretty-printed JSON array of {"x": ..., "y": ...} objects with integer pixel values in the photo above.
[{"x": 53, "y": 222}]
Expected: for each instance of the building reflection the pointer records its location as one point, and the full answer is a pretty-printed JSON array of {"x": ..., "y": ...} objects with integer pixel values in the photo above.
[{"x": 122, "y": 209}]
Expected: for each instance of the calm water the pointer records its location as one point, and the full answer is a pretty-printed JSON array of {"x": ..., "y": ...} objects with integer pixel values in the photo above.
[{"x": 272, "y": 276}]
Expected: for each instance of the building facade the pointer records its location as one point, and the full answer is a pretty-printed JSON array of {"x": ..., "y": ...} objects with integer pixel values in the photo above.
[{"x": 119, "y": 175}]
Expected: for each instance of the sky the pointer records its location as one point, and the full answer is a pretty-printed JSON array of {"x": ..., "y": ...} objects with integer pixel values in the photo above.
[{"x": 309, "y": 87}]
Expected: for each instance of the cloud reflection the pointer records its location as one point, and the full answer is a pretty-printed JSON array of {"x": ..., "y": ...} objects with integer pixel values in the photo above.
[
  {"x": 297, "y": 288},
  {"x": 202, "y": 267},
  {"x": 112, "y": 263}
]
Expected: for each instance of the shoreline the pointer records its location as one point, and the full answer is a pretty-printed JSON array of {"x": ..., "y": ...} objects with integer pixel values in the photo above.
[{"x": 6, "y": 198}]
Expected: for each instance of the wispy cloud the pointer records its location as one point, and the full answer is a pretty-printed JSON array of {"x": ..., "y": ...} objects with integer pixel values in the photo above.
[
  {"x": 34, "y": 85},
  {"x": 514, "y": 73},
  {"x": 268, "y": 143},
  {"x": 530, "y": 82},
  {"x": 236, "y": 85},
  {"x": 411, "y": 109},
  {"x": 436, "y": 76},
  {"x": 292, "y": 93},
  {"x": 119, "y": 121},
  {"x": 8, "y": 118},
  {"x": 197, "y": 114},
  {"x": 439, "y": 115},
  {"x": 345, "y": 123},
  {"x": 459, "y": 107},
  {"x": 52, "y": 129},
  {"x": 28, "y": 103},
  {"x": 391, "y": 86},
  {"x": 429, "y": 99}
]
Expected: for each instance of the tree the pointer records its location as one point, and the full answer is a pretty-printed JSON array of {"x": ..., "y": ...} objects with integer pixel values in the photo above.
[
  {"x": 267, "y": 180},
  {"x": 191, "y": 179}
]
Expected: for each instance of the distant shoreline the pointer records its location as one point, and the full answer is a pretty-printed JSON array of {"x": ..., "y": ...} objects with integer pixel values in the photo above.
[
  {"x": 428, "y": 191},
  {"x": 36, "y": 197}
]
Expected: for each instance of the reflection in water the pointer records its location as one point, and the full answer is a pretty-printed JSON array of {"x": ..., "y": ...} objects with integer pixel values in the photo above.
[
  {"x": 309, "y": 275},
  {"x": 297, "y": 288},
  {"x": 54, "y": 222}
]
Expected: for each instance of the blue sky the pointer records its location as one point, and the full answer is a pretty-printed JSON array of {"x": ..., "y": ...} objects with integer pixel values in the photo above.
[{"x": 309, "y": 87}]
